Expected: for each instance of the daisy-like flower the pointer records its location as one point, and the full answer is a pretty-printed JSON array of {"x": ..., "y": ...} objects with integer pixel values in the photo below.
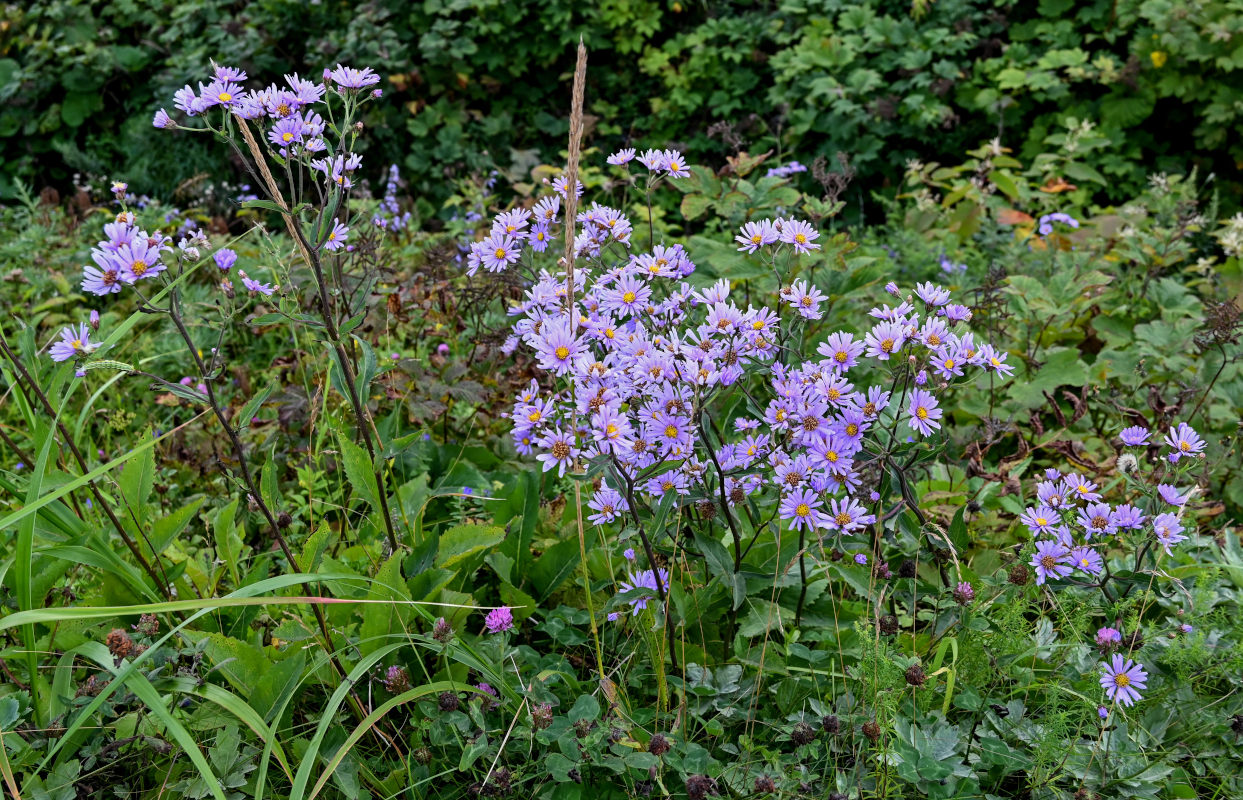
[
  {"x": 1170, "y": 495},
  {"x": 225, "y": 258},
  {"x": 73, "y": 342},
  {"x": 608, "y": 505},
  {"x": 499, "y": 620},
  {"x": 336, "y": 237},
  {"x": 1052, "y": 559},
  {"x": 932, "y": 294},
  {"x": 286, "y": 132},
  {"x": 653, "y": 159},
  {"x": 1080, "y": 488},
  {"x": 923, "y": 412},
  {"x": 255, "y": 287},
  {"x": 1184, "y": 441},
  {"x": 622, "y": 157},
  {"x": 806, "y": 299},
  {"x": 847, "y": 515},
  {"x": 800, "y": 234},
  {"x": 350, "y": 78},
  {"x": 105, "y": 277},
  {"x": 842, "y": 350},
  {"x": 755, "y": 235},
  {"x": 162, "y": 119},
  {"x": 1134, "y": 436},
  {"x": 645, "y": 579},
  {"x": 675, "y": 164},
  {"x": 1169, "y": 531},
  {"x": 1122, "y": 679},
  {"x": 802, "y": 509},
  {"x": 1087, "y": 559},
  {"x": 1128, "y": 517},
  {"x": 1097, "y": 519},
  {"x": 561, "y": 451},
  {"x": 1040, "y": 520},
  {"x": 884, "y": 340},
  {"x": 995, "y": 360},
  {"x": 499, "y": 251}
]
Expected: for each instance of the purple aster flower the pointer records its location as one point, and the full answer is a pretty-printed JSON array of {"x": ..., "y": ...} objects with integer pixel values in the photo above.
[
  {"x": 802, "y": 508},
  {"x": 804, "y": 297},
  {"x": 287, "y": 131},
  {"x": 1088, "y": 560},
  {"x": 622, "y": 157},
  {"x": 1170, "y": 495},
  {"x": 842, "y": 350},
  {"x": 1045, "y": 224},
  {"x": 614, "y": 616},
  {"x": 1051, "y": 560},
  {"x": 219, "y": 93},
  {"x": 1108, "y": 638},
  {"x": 645, "y": 579},
  {"x": 254, "y": 286},
  {"x": 557, "y": 346},
  {"x": 1122, "y": 678},
  {"x": 1134, "y": 436},
  {"x": 847, "y": 515},
  {"x": 499, "y": 620},
  {"x": 932, "y": 294},
  {"x": 225, "y": 258},
  {"x": 350, "y": 78},
  {"x": 1184, "y": 441},
  {"x": 861, "y": 559},
  {"x": 73, "y": 342},
  {"x": 995, "y": 360},
  {"x": 1185, "y": 628},
  {"x": 337, "y": 237},
  {"x": 1080, "y": 488},
  {"x": 675, "y": 164},
  {"x": 629, "y": 554},
  {"x": 755, "y": 235},
  {"x": 1102, "y": 712},
  {"x": 1040, "y": 520},
  {"x": 885, "y": 340},
  {"x": 560, "y": 448},
  {"x": 800, "y": 234},
  {"x": 608, "y": 505},
  {"x": 499, "y": 251},
  {"x": 1097, "y": 519},
  {"x": 1169, "y": 531},
  {"x": 923, "y": 412},
  {"x": 162, "y": 120},
  {"x": 1128, "y": 517}
]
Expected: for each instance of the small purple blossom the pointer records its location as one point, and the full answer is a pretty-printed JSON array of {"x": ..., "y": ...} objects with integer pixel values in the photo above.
[
  {"x": 499, "y": 620},
  {"x": 1122, "y": 679}
]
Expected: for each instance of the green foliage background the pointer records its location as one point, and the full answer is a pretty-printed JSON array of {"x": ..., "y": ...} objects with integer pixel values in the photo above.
[{"x": 473, "y": 81}]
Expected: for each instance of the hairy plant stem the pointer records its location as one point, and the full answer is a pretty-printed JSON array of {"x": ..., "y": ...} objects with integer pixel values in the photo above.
[
  {"x": 161, "y": 581},
  {"x": 363, "y": 421}
]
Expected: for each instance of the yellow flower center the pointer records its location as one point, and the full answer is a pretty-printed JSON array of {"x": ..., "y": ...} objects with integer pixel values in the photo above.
[
  {"x": 842, "y": 518},
  {"x": 852, "y": 429},
  {"x": 224, "y": 97},
  {"x": 1184, "y": 446},
  {"x": 831, "y": 456},
  {"x": 1041, "y": 521},
  {"x": 802, "y": 509},
  {"x": 756, "y": 239},
  {"x": 800, "y": 238},
  {"x": 886, "y": 346},
  {"x": 500, "y": 252},
  {"x": 671, "y": 431},
  {"x": 921, "y": 412},
  {"x": 840, "y": 357},
  {"x": 628, "y": 297},
  {"x": 758, "y": 325},
  {"x": 562, "y": 352},
  {"x": 610, "y": 430},
  {"x": 534, "y": 416},
  {"x": 1122, "y": 679},
  {"x": 77, "y": 344},
  {"x": 138, "y": 267},
  {"x": 287, "y": 137}
]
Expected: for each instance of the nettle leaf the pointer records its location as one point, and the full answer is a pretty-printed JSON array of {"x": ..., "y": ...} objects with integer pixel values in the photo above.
[{"x": 458, "y": 545}]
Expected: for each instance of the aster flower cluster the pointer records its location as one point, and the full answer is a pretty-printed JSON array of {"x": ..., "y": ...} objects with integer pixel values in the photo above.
[
  {"x": 644, "y": 354},
  {"x": 1075, "y": 530}
]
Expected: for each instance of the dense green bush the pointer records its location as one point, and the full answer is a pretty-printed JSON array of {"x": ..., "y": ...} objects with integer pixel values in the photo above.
[{"x": 476, "y": 84}]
